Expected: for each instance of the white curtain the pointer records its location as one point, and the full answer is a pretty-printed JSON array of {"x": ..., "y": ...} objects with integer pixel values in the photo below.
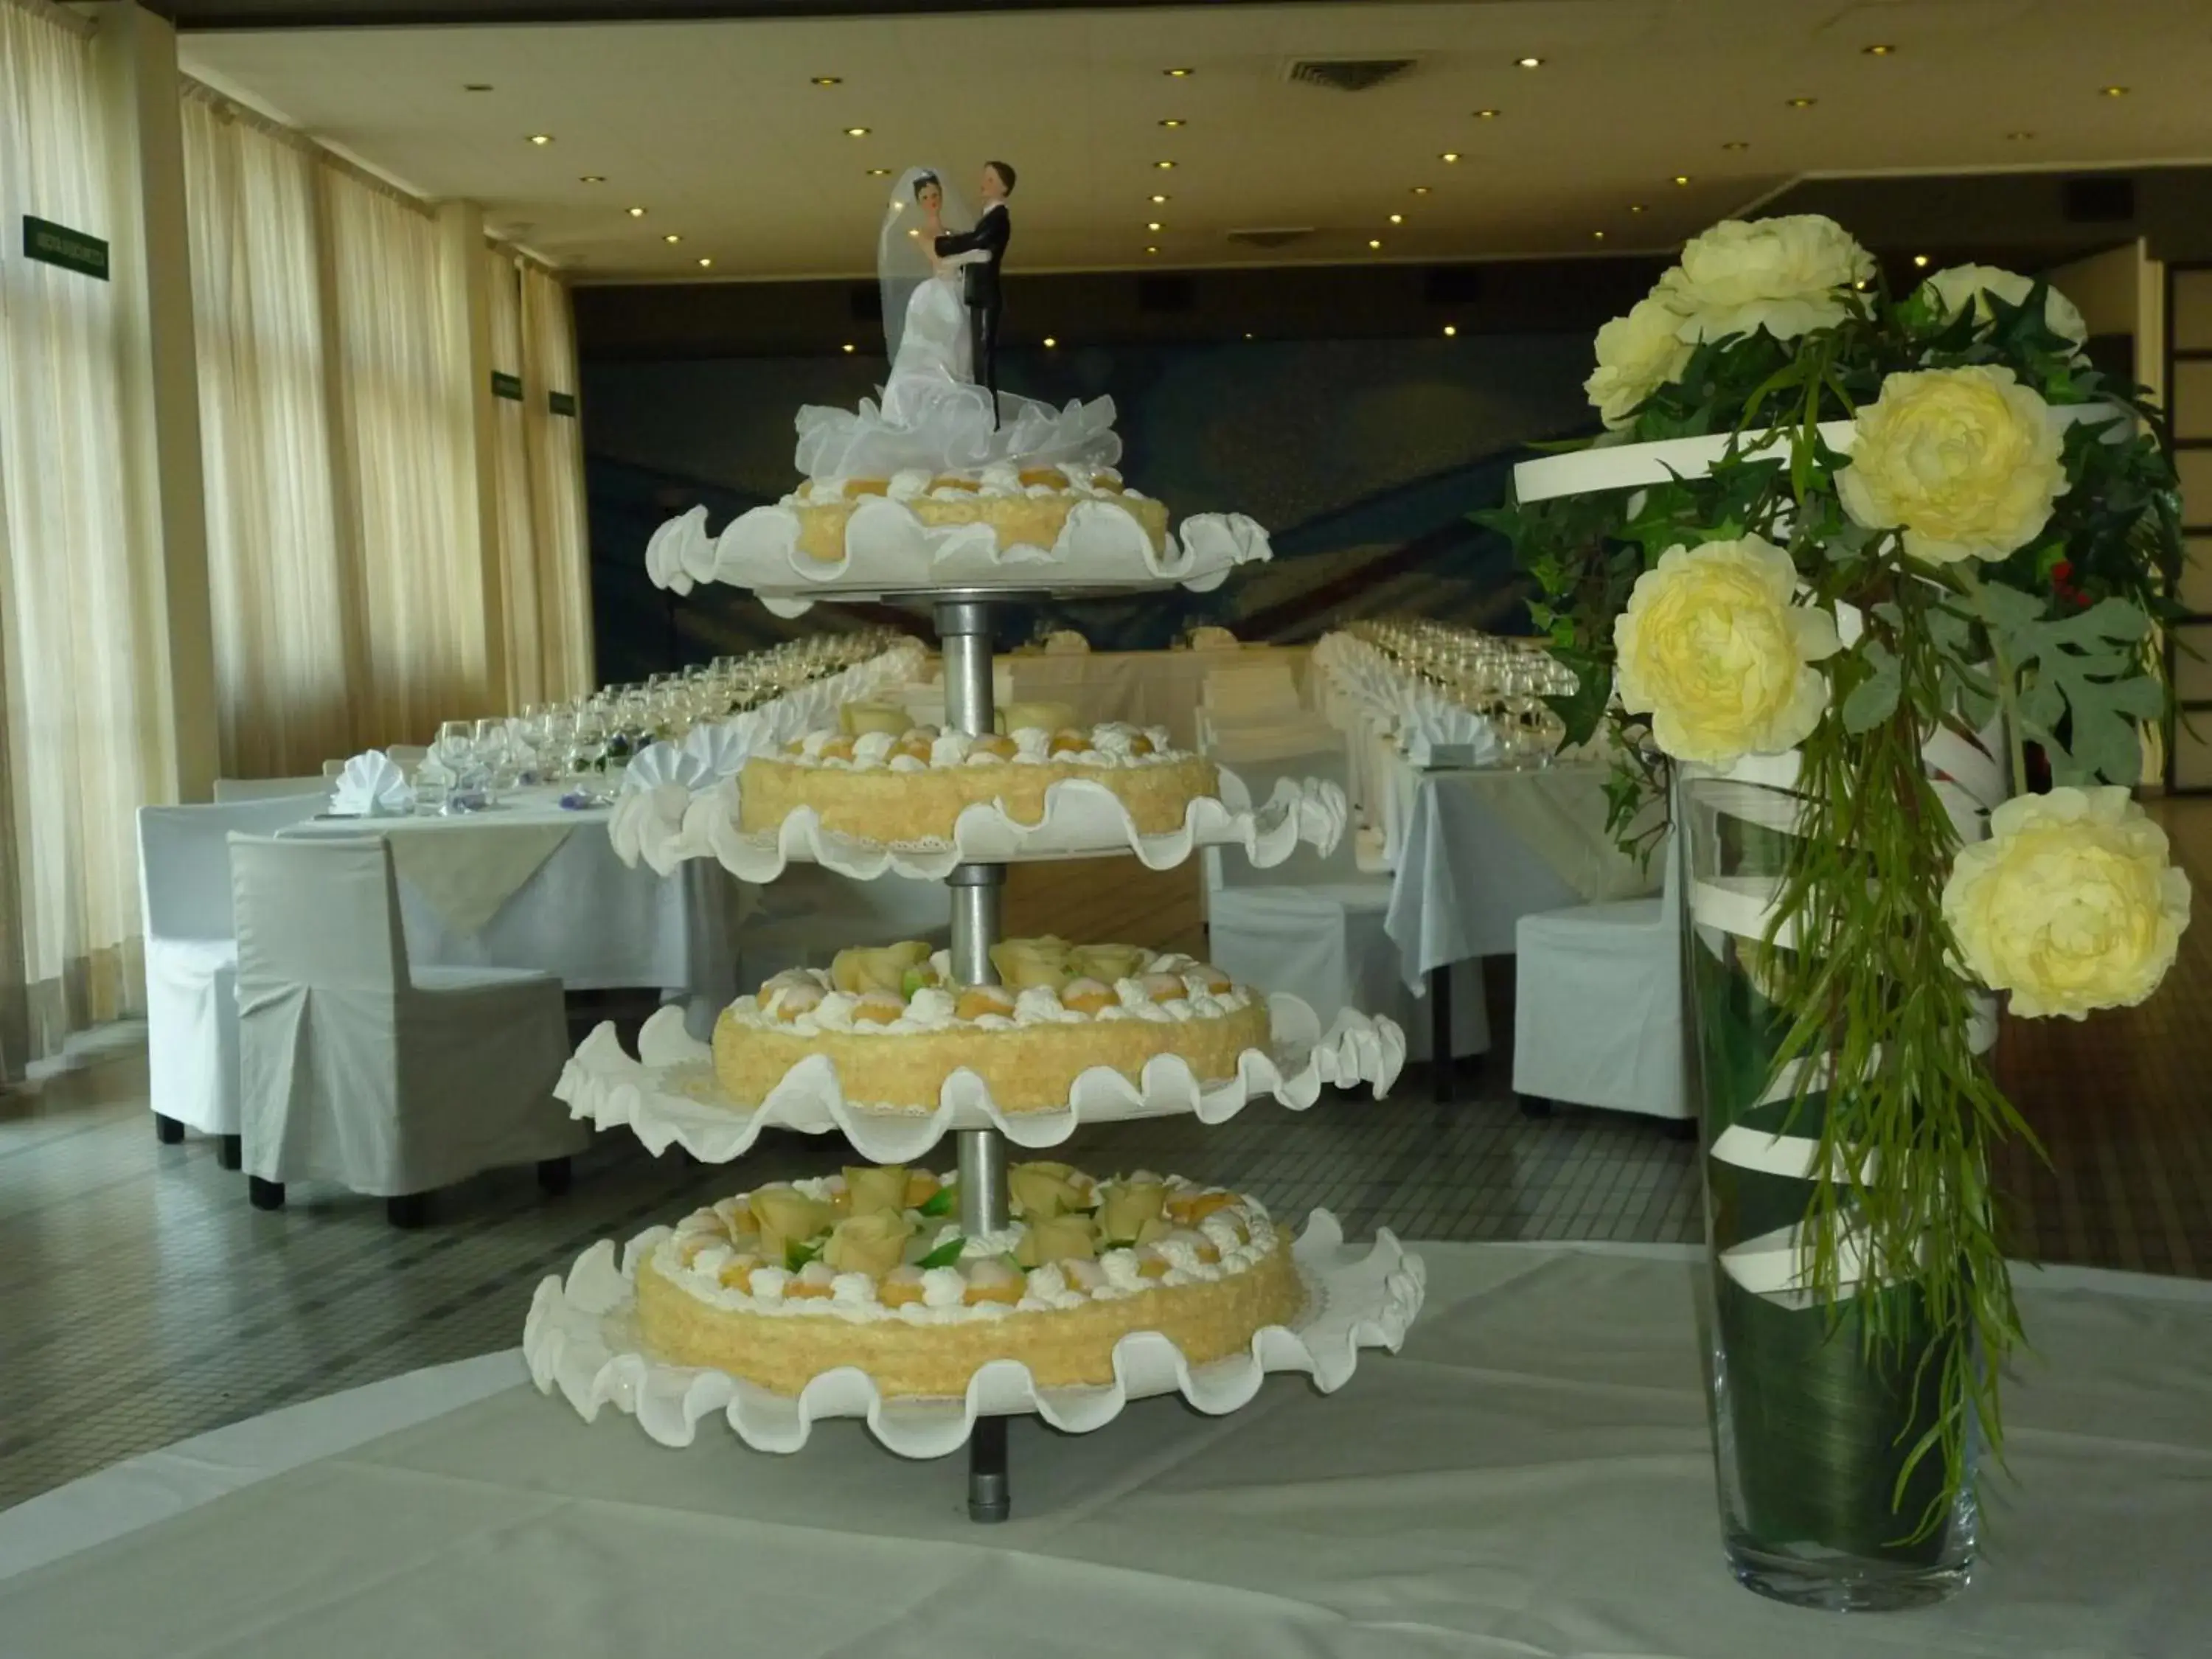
[
  {"x": 338, "y": 421},
  {"x": 84, "y": 739}
]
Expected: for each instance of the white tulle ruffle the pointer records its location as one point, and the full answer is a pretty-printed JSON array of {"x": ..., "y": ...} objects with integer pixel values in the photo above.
[
  {"x": 670, "y": 1096},
  {"x": 944, "y": 425},
  {"x": 581, "y": 1339}
]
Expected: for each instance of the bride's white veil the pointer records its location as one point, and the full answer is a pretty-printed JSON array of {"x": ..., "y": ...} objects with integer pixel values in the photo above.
[{"x": 902, "y": 252}]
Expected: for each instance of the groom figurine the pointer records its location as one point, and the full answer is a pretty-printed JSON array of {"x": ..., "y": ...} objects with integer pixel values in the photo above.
[{"x": 986, "y": 246}]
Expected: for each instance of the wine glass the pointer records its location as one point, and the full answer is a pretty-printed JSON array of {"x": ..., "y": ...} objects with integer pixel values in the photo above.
[
  {"x": 587, "y": 751},
  {"x": 454, "y": 750},
  {"x": 496, "y": 754}
]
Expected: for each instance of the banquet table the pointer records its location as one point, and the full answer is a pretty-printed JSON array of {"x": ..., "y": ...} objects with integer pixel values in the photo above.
[
  {"x": 529, "y": 885},
  {"x": 1142, "y": 688},
  {"x": 1532, "y": 1476}
]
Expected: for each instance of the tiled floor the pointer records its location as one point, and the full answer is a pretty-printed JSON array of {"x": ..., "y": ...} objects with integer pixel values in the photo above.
[{"x": 141, "y": 1300}]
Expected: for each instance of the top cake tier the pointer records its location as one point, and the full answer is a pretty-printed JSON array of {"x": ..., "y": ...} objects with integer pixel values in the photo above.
[{"x": 1034, "y": 504}]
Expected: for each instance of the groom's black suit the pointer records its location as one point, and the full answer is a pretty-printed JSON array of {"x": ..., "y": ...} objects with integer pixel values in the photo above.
[{"x": 980, "y": 288}]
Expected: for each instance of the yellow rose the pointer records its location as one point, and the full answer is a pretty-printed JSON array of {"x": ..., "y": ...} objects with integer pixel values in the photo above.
[
  {"x": 786, "y": 1217},
  {"x": 1788, "y": 276},
  {"x": 1635, "y": 356},
  {"x": 1059, "y": 1238},
  {"x": 1035, "y": 716},
  {"x": 1042, "y": 1190},
  {"x": 1711, "y": 647},
  {"x": 1126, "y": 1206},
  {"x": 857, "y": 719},
  {"x": 1952, "y": 289},
  {"x": 872, "y": 1244},
  {"x": 883, "y": 968},
  {"x": 2070, "y": 905},
  {"x": 881, "y": 1188},
  {"x": 1024, "y": 963},
  {"x": 1966, "y": 461},
  {"x": 1109, "y": 963}
]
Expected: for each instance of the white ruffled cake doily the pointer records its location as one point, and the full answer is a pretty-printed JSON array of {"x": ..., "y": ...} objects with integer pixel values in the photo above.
[
  {"x": 668, "y": 1094},
  {"x": 581, "y": 1339},
  {"x": 889, "y": 550},
  {"x": 664, "y": 820}
]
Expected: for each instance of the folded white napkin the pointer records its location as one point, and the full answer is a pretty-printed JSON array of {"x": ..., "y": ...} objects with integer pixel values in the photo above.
[
  {"x": 664, "y": 762},
  {"x": 372, "y": 786},
  {"x": 1443, "y": 734}
]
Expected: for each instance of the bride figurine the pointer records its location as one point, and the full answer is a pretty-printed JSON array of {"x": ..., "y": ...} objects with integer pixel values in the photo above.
[{"x": 932, "y": 416}]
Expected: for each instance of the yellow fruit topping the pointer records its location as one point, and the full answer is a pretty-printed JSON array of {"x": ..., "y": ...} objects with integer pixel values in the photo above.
[
  {"x": 1051, "y": 477},
  {"x": 1070, "y": 742},
  {"x": 1164, "y": 987},
  {"x": 837, "y": 748},
  {"x": 739, "y": 1274},
  {"x": 900, "y": 1288},
  {"x": 1216, "y": 983},
  {"x": 948, "y": 482},
  {"x": 868, "y": 486},
  {"x": 992, "y": 1281},
  {"x": 992, "y": 744},
  {"x": 1088, "y": 996},
  {"x": 978, "y": 1000},
  {"x": 921, "y": 1188},
  {"x": 877, "y": 1008},
  {"x": 797, "y": 999},
  {"x": 877, "y": 968},
  {"x": 1140, "y": 743},
  {"x": 1188, "y": 1210}
]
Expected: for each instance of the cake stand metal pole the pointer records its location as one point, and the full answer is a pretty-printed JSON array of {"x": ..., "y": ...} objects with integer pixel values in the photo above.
[{"x": 964, "y": 632}]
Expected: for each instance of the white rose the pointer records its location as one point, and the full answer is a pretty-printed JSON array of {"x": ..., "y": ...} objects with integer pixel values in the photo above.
[
  {"x": 1635, "y": 356},
  {"x": 1788, "y": 276},
  {"x": 1712, "y": 648},
  {"x": 1966, "y": 462},
  {"x": 1950, "y": 291},
  {"x": 2070, "y": 904}
]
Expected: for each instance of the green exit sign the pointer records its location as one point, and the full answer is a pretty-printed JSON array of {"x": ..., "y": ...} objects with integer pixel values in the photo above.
[
  {"x": 561, "y": 403},
  {"x": 57, "y": 245},
  {"x": 507, "y": 385}
]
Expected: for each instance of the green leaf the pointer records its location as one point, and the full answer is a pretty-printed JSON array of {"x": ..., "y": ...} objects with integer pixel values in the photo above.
[
  {"x": 944, "y": 1255},
  {"x": 2083, "y": 675},
  {"x": 797, "y": 1255},
  {"x": 941, "y": 1201},
  {"x": 1874, "y": 699}
]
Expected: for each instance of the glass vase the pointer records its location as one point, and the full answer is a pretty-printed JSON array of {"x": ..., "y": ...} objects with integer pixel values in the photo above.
[{"x": 1813, "y": 1425}]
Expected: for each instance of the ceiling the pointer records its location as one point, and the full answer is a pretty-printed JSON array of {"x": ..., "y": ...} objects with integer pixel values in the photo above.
[{"x": 717, "y": 130}]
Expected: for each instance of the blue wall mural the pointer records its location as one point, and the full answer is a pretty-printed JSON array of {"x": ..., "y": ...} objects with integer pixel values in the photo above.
[{"x": 1362, "y": 458}]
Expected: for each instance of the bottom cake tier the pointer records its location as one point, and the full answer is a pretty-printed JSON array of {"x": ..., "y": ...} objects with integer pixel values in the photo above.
[{"x": 883, "y": 1309}]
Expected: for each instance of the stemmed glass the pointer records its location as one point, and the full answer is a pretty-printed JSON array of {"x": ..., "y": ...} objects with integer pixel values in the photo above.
[
  {"x": 454, "y": 750},
  {"x": 496, "y": 754},
  {"x": 587, "y": 751}
]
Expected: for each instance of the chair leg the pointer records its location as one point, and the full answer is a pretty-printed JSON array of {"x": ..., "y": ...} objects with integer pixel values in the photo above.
[
  {"x": 410, "y": 1211},
  {"x": 555, "y": 1176},
  {"x": 1534, "y": 1105},
  {"x": 264, "y": 1195},
  {"x": 229, "y": 1151},
  {"x": 168, "y": 1131},
  {"x": 1440, "y": 1031},
  {"x": 1679, "y": 1129}
]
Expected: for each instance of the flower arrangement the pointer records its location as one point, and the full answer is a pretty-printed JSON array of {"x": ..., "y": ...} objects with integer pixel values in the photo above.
[{"x": 1929, "y": 514}]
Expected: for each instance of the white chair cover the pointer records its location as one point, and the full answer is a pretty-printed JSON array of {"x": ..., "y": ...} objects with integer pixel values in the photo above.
[
  {"x": 352, "y": 1069},
  {"x": 1597, "y": 1016},
  {"x": 192, "y": 954},
  {"x": 1250, "y": 693},
  {"x": 228, "y": 791},
  {"x": 1313, "y": 926}
]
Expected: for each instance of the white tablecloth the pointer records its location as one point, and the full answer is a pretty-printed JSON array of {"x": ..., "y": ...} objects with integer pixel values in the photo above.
[
  {"x": 1479, "y": 850},
  {"x": 1144, "y": 687},
  {"x": 558, "y": 899},
  {"x": 1532, "y": 1476}
]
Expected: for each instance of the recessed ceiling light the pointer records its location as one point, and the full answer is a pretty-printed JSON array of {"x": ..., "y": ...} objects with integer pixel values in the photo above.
[
  {"x": 1597, "y": 236},
  {"x": 1450, "y": 331},
  {"x": 1737, "y": 143},
  {"x": 1919, "y": 259},
  {"x": 1371, "y": 242},
  {"x": 1248, "y": 333},
  {"x": 1449, "y": 155},
  {"x": 1164, "y": 165},
  {"x": 671, "y": 239},
  {"x": 1155, "y": 225},
  {"x": 856, "y": 133},
  {"x": 1420, "y": 189},
  {"x": 1635, "y": 207},
  {"x": 1151, "y": 250},
  {"x": 637, "y": 213},
  {"x": 592, "y": 179},
  {"x": 849, "y": 346},
  {"x": 879, "y": 172},
  {"x": 829, "y": 80},
  {"x": 704, "y": 263},
  {"x": 1681, "y": 177},
  {"x": 1178, "y": 73},
  {"x": 1528, "y": 63},
  {"x": 1174, "y": 121},
  {"x": 2111, "y": 91},
  {"x": 1397, "y": 218},
  {"x": 1802, "y": 103},
  {"x": 475, "y": 86},
  {"x": 1488, "y": 114},
  {"x": 1879, "y": 51},
  {"x": 1050, "y": 341},
  {"x": 1160, "y": 199},
  {"x": 541, "y": 137},
  {"x": 2017, "y": 137}
]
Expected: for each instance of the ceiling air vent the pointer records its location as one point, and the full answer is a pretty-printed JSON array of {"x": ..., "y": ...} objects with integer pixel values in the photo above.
[
  {"x": 1272, "y": 239},
  {"x": 1348, "y": 74}
]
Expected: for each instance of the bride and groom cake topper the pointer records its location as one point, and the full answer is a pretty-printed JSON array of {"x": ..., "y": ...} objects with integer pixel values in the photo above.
[
  {"x": 976, "y": 252},
  {"x": 940, "y": 268}
]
